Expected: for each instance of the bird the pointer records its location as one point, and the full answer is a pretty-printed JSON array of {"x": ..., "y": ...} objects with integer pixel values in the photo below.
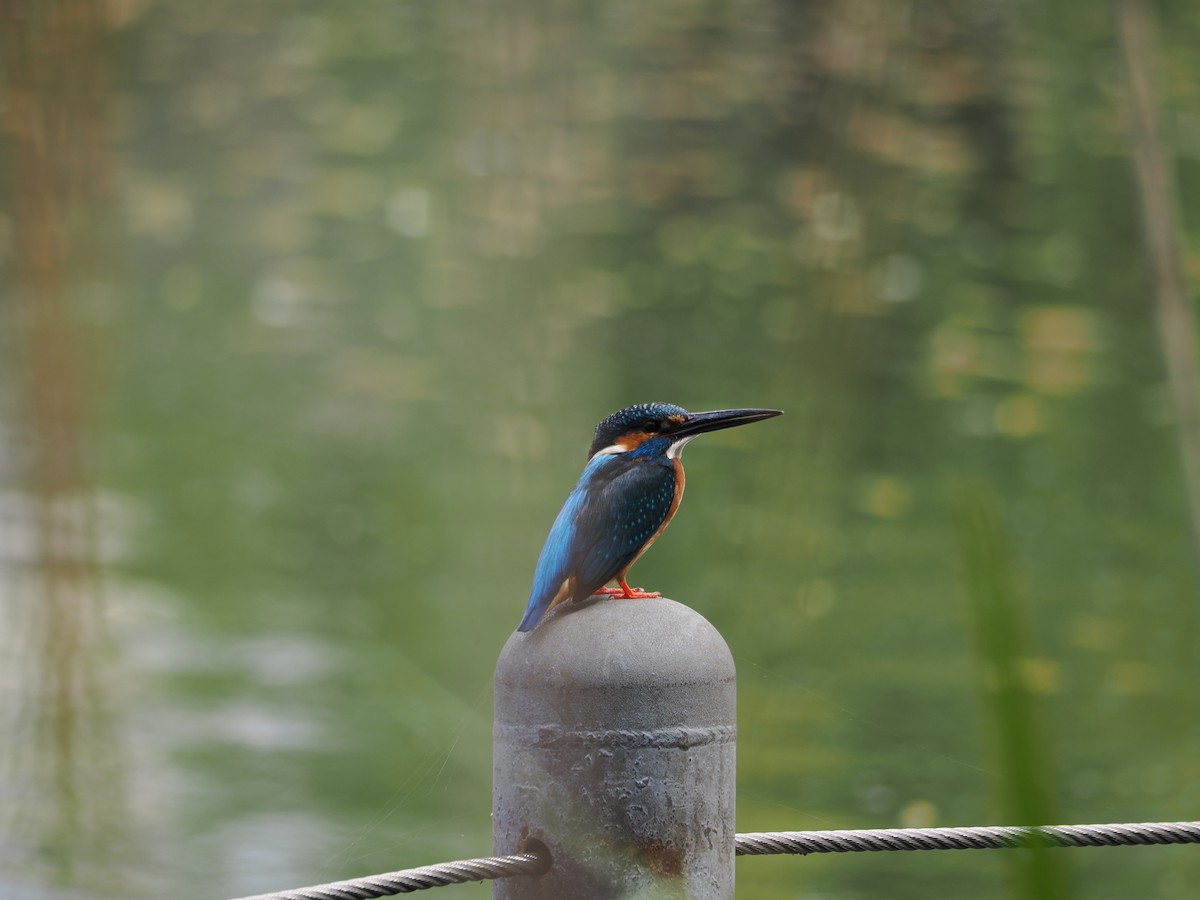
[{"x": 628, "y": 493}]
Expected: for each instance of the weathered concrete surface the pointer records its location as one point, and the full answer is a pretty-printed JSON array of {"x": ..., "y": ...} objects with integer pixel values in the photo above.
[{"x": 614, "y": 744}]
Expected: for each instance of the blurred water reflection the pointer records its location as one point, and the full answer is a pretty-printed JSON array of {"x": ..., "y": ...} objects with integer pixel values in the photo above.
[{"x": 367, "y": 276}]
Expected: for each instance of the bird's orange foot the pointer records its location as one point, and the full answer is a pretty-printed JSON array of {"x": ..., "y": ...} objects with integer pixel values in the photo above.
[
  {"x": 638, "y": 594},
  {"x": 627, "y": 593},
  {"x": 635, "y": 593}
]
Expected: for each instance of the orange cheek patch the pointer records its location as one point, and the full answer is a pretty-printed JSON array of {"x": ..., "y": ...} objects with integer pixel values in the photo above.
[{"x": 632, "y": 441}]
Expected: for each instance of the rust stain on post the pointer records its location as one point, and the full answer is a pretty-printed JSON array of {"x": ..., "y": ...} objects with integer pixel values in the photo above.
[{"x": 663, "y": 860}]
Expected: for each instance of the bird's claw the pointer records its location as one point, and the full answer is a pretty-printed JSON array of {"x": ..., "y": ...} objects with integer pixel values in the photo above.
[
  {"x": 627, "y": 593},
  {"x": 639, "y": 594}
]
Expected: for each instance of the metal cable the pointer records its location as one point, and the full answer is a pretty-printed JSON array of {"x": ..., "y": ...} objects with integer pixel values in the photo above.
[
  {"x": 766, "y": 844},
  {"x": 982, "y": 838},
  {"x": 409, "y": 880}
]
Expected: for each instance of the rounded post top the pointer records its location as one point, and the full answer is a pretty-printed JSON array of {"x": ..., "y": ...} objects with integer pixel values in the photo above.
[{"x": 649, "y": 658}]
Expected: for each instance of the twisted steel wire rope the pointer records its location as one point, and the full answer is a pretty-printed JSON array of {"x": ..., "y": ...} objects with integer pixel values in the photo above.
[
  {"x": 408, "y": 880},
  {"x": 994, "y": 837}
]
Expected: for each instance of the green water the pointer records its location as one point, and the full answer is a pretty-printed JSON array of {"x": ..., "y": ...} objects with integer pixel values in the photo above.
[{"x": 373, "y": 271}]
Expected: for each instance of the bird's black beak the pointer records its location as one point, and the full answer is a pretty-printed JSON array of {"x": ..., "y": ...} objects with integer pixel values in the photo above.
[{"x": 698, "y": 423}]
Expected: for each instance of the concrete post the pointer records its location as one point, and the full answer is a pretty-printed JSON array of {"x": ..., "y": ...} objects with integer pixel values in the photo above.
[{"x": 614, "y": 746}]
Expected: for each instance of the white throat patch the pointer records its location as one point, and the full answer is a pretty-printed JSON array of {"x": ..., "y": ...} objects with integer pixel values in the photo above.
[{"x": 677, "y": 447}]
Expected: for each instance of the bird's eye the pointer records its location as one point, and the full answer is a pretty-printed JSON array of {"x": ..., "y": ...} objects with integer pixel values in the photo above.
[{"x": 653, "y": 427}]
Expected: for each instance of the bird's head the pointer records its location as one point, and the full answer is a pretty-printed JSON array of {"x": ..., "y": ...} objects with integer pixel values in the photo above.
[{"x": 662, "y": 429}]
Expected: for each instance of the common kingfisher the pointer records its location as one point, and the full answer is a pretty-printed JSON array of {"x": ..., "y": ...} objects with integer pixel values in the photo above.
[{"x": 627, "y": 494}]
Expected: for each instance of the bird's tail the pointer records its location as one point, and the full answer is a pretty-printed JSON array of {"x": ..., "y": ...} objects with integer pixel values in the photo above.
[{"x": 533, "y": 615}]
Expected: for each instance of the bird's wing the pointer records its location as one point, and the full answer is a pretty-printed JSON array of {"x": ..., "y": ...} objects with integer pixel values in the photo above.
[
  {"x": 612, "y": 531},
  {"x": 618, "y": 505}
]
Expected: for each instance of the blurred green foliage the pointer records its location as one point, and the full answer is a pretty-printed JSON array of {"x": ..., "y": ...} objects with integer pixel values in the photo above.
[{"x": 385, "y": 264}]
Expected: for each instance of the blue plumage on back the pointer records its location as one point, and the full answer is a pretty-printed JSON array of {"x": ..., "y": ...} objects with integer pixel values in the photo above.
[{"x": 554, "y": 563}]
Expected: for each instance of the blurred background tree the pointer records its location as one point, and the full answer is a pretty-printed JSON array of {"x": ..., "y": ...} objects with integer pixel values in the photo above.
[{"x": 309, "y": 312}]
